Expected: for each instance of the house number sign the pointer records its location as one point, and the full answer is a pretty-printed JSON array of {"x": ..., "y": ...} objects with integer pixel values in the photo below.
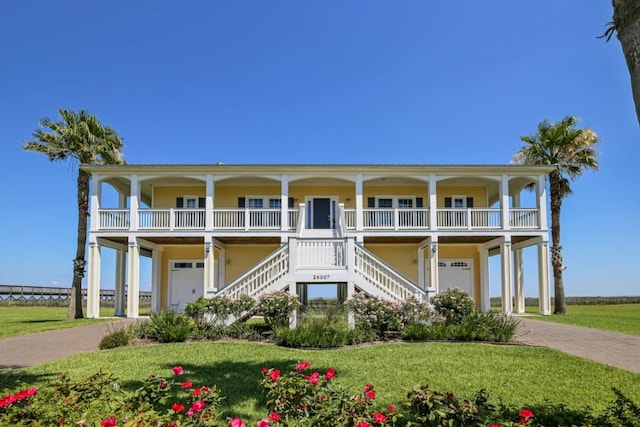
[{"x": 321, "y": 276}]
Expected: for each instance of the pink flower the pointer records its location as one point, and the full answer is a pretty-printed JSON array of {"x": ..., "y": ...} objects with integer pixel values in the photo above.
[
  {"x": 368, "y": 387},
  {"x": 330, "y": 374},
  {"x": 109, "y": 422},
  {"x": 274, "y": 375},
  {"x": 177, "y": 407},
  {"x": 237, "y": 422},
  {"x": 264, "y": 423},
  {"x": 313, "y": 378},
  {"x": 197, "y": 406},
  {"x": 206, "y": 389},
  {"x": 187, "y": 384},
  {"x": 274, "y": 416},
  {"x": 391, "y": 408},
  {"x": 302, "y": 366},
  {"x": 177, "y": 370},
  {"x": 265, "y": 370},
  {"x": 379, "y": 418},
  {"x": 363, "y": 424}
]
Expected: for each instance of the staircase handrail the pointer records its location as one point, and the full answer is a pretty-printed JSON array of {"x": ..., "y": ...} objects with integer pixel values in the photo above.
[
  {"x": 242, "y": 285},
  {"x": 342, "y": 223},
  {"x": 404, "y": 286}
]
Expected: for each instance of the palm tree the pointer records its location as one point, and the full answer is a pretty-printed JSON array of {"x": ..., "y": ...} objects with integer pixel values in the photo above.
[
  {"x": 626, "y": 23},
  {"x": 81, "y": 138},
  {"x": 572, "y": 151}
]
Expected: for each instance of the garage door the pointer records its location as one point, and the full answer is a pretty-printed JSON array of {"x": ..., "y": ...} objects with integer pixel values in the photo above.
[
  {"x": 186, "y": 283},
  {"x": 456, "y": 273}
]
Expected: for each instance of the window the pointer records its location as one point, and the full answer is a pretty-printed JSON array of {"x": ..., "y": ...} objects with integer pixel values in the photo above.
[
  {"x": 255, "y": 203},
  {"x": 391, "y": 202},
  {"x": 458, "y": 202},
  {"x": 385, "y": 203},
  {"x": 191, "y": 202},
  {"x": 405, "y": 203},
  {"x": 275, "y": 203}
]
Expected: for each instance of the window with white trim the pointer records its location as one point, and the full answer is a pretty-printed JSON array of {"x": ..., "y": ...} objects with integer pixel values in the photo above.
[{"x": 390, "y": 202}]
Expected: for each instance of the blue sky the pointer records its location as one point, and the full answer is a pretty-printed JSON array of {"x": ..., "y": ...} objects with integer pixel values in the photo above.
[{"x": 317, "y": 82}]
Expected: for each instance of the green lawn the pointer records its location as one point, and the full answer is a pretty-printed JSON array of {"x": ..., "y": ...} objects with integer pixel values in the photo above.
[
  {"x": 26, "y": 320},
  {"x": 618, "y": 318},
  {"x": 523, "y": 376}
]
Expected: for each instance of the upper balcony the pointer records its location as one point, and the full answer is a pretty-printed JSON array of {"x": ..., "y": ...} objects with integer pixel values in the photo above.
[{"x": 373, "y": 219}]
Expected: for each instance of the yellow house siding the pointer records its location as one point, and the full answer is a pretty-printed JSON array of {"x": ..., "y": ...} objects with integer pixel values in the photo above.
[
  {"x": 165, "y": 197},
  {"x": 465, "y": 252},
  {"x": 402, "y": 257},
  {"x": 342, "y": 192},
  {"x": 479, "y": 195},
  {"x": 240, "y": 258},
  {"x": 412, "y": 191},
  {"x": 227, "y": 196}
]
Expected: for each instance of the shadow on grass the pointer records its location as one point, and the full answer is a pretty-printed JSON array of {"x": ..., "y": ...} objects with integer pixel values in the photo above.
[
  {"x": 11, "y": 379},
  {"x": 238, "y": 382},
  {"x": 42, "y": 321}
]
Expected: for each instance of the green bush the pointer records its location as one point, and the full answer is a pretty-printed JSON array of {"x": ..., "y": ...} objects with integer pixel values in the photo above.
[
  {"x": 277, "y": 307},
  {"x": 167, "y": 326},
  {"x": 474, "y": 327},
  {"x": 316, "y": 329},
  {"x": 119, "y": 338},
  {"x": 453, "y": 305}
]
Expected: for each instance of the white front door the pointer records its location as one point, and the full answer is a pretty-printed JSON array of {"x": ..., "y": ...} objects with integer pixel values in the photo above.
[
  {"x": 456, "y": 273},
  {"x": 186, "y": 282}
]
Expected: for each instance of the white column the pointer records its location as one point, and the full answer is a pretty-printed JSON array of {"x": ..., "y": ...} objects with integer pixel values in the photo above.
[
  {"x": 433, "y": 204},
  {"x": 284, "y": 203},
  {"x": 504, "y": 202},
  {"x": 541, "y": 192},
  {"x": 156, "y": 274},
  {"x": 133, "y": 279},
  {"x": 359, "y": 204},
  {"x": 433, "y": 267},
  {"x": 293, "y": 255},
  {"x": 222, "y": 263},
  {"x": 351, "y": 290},
  {"x": 209, "y": 267},
  {"x": 134, "y": 204},
  {"x": 485, "y": 297},
  {"x": 96, "y": 187},
  {"x": 208, "y": 202},
  {"x": 544, "y": 294},
  {"x": 93, "y": 283},
  {"x": 518, "y": 281},
  {"x": 420, "y": 260},
  {"x": 505, "y": 264},
  {"x": 121, "y": 275}
]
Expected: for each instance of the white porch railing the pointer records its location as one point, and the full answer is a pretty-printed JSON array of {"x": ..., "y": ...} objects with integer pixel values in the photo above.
[
  {"x": 261, "y": 277},
  {"x": 325, "y": 253},
  {"x": 469, "y": 219},
  {"x": 113, "y": 219},
  {"x": 171, "y": 219},
  {"x": 523, "y": 218},
  {"x": 396, "y": 219},
  {"x": 384, "y": 278},
  {"x": 294, "y": 215}
]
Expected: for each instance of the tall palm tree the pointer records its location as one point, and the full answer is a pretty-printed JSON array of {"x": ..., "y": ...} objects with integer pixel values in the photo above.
[
  {"x": 572, "y": 151},
  {"x": 82, "y": 139},
  {"x": 626, "y": 25}
]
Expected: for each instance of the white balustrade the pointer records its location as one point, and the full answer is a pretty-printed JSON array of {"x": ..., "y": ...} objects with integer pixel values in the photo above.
[
  {"x": 113, "y": 219},
  {"x": 523, "y": 218},
  {"x": 154, "y": 219},
  {"x": 189, "y": 219},
  {"x": 293, "y": 218},
  {"x": 350, "y": 219},
  {"x": 486, "y": 218},
  {"x": 326, "y": 253}
]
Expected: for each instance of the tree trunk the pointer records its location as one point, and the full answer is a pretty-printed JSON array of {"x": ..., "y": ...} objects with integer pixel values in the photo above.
[
  {"x": 556, "y": 250},
  {"x": 626, "y": 19},
  {"x": 79, "y": 263}
]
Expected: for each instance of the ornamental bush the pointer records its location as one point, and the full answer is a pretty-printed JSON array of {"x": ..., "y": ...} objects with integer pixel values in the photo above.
[
  {"x": 453, "y": 305},
  {"x": 277, "y": 307}
]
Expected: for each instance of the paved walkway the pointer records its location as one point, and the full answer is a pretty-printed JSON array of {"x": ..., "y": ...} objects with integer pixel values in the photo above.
[{"x": 620, "y": 350}]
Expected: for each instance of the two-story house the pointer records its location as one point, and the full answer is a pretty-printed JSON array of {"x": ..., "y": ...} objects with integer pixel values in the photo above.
[{"x": 390, "y": 230}]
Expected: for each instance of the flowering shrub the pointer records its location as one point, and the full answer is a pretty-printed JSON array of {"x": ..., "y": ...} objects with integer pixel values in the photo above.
[
  {"x": 218, "y": 308},
  {"x": 277, "y": 307},
  {"x": 453, "y": 305},
  {"x": 383, "y": 316},
  {"x": 305, "y": 398}
]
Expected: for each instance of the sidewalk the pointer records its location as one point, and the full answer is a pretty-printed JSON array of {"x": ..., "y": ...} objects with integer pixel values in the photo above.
[
  {"x": 611, "y": 348},
  {"x": 615, "y": 349}
]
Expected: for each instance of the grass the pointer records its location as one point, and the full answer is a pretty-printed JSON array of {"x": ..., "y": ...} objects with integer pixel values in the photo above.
[
  {"x": 15, "y": 320},
  {"x": 623, "y": 318},
  {"x": 522, "y": 376}
]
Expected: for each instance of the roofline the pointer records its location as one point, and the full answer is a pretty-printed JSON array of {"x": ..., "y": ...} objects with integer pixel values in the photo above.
[{"x": 226, "y": 168}]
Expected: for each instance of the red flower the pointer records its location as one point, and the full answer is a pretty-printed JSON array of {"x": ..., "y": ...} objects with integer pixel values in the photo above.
[
  {"x": 109, "y": 422},
  {"x": 206, "y": 389},
  {"x": 263, "y": 423},
  {"x": 274, "y": 375},
  {"x": 196, "y": 391},
  {"x": 368, "y": 387},
  {"x": 177, "y": 407},
  {"x": 177, "y": 370},
  {"x": 187, "y": 384},
  {"x": 330, "y": 374},
  {"x": 274, "y": 416},
  {"x": 265, "y": 370},
  {"x": 391, "y": 408},
  {"x": 162, "y": 384},
  {"x": 62, "y": 421},
  {"x": 237, "y": 422},
  {"x": 371, "y": 394},
  {"x": 197, "y": 406},
  {"x": 313, "y": 378},
  {"x": 449, "y": 394},
  {"x": 379, "y": 418},
  {"x": 363, "y": 424},
  {"x": 302, "y": 366},
  {"x": 525, "y": 413}
]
